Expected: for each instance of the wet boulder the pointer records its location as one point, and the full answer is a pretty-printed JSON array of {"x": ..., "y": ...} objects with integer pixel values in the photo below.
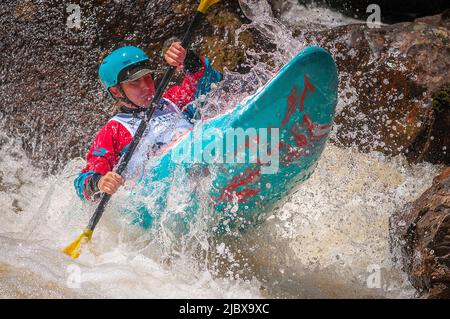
[{"x": 420, "y": 239}]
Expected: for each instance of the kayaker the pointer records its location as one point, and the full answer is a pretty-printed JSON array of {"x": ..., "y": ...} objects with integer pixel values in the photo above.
[{"x": 128, "y": 79}]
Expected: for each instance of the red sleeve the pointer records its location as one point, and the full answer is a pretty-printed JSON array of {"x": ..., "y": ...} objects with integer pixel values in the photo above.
[
  {"x": 107, "y": 148},
  {"x": 184, "y": 93}
]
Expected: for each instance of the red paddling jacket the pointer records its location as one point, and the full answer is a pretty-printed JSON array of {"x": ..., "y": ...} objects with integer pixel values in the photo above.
[{"x": 175, "y": 108}]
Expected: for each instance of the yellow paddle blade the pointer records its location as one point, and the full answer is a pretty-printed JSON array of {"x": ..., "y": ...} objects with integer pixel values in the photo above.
[
  {"x": 205, "y": 4},
  {"x": 73, "y": 250}
]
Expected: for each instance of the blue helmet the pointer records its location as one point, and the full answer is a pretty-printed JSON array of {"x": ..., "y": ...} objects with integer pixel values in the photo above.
[{"x": 118, "y": 61}]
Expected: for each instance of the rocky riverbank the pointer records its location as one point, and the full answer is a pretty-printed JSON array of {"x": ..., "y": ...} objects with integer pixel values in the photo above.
[{"x": 420, "y": 234}]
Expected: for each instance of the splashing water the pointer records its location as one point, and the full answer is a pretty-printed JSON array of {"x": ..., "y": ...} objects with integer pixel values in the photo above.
[
  {"x": 329, "y": 239},
  {"x": 309, "y": 16}
]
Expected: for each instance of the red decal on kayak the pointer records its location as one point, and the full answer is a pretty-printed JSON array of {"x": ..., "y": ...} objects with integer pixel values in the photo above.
[
  {"x": 206, "y": 171},
  {"x": 301, "y": 140},
  {"x": 249, "y": 175},
  {"x": 314, "y": 129},
  {"x": 242, "y": 195},
  {"x": 290, "y": 154},
  {"x": 308, "y": 88},
  {"x": 238, "y": 186},
  {"x": 292, "y": 101}
]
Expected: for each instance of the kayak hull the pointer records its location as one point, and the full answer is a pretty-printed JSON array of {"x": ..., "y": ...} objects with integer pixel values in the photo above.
[{"x": 243, "y": 163}]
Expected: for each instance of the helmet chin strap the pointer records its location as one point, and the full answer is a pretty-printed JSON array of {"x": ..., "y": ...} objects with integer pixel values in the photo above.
[{"x": 125, "y": 99}]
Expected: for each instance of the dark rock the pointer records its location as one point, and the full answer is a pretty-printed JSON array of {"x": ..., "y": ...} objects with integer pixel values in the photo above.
[
  {"x": 420, "y": 236},
  {"x": 439, "y": 20}
]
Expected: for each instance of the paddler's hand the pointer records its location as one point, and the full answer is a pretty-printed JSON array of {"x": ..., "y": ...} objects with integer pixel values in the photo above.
[
  {"x": 110, "y": 183},
  {"x": 176, "y": 55}
]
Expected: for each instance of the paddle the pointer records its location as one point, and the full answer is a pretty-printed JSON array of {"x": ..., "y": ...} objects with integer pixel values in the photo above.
[{"x": 73, "y": 250}]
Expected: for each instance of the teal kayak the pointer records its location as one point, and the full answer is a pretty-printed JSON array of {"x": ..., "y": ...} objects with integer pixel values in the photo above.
[{"x": 242, "y": 163}]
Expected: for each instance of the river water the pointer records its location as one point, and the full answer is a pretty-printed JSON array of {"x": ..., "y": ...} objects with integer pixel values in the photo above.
[{"x": 330, "y": 239}]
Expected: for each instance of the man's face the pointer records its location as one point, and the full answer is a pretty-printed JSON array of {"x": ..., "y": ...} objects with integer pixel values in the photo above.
[{"x": 139, "y": 91}]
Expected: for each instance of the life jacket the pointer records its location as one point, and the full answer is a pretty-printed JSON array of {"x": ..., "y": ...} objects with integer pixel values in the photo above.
[{"x": 167, "y": 122}]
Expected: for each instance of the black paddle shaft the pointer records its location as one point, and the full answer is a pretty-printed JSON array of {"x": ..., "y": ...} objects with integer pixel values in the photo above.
[{"x": 143, "y": 125}]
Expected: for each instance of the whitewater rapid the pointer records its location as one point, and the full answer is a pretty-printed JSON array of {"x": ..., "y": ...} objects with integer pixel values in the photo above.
[
  {"x": 325, "y": 241},
  {"x": 330, "y": 239}
]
